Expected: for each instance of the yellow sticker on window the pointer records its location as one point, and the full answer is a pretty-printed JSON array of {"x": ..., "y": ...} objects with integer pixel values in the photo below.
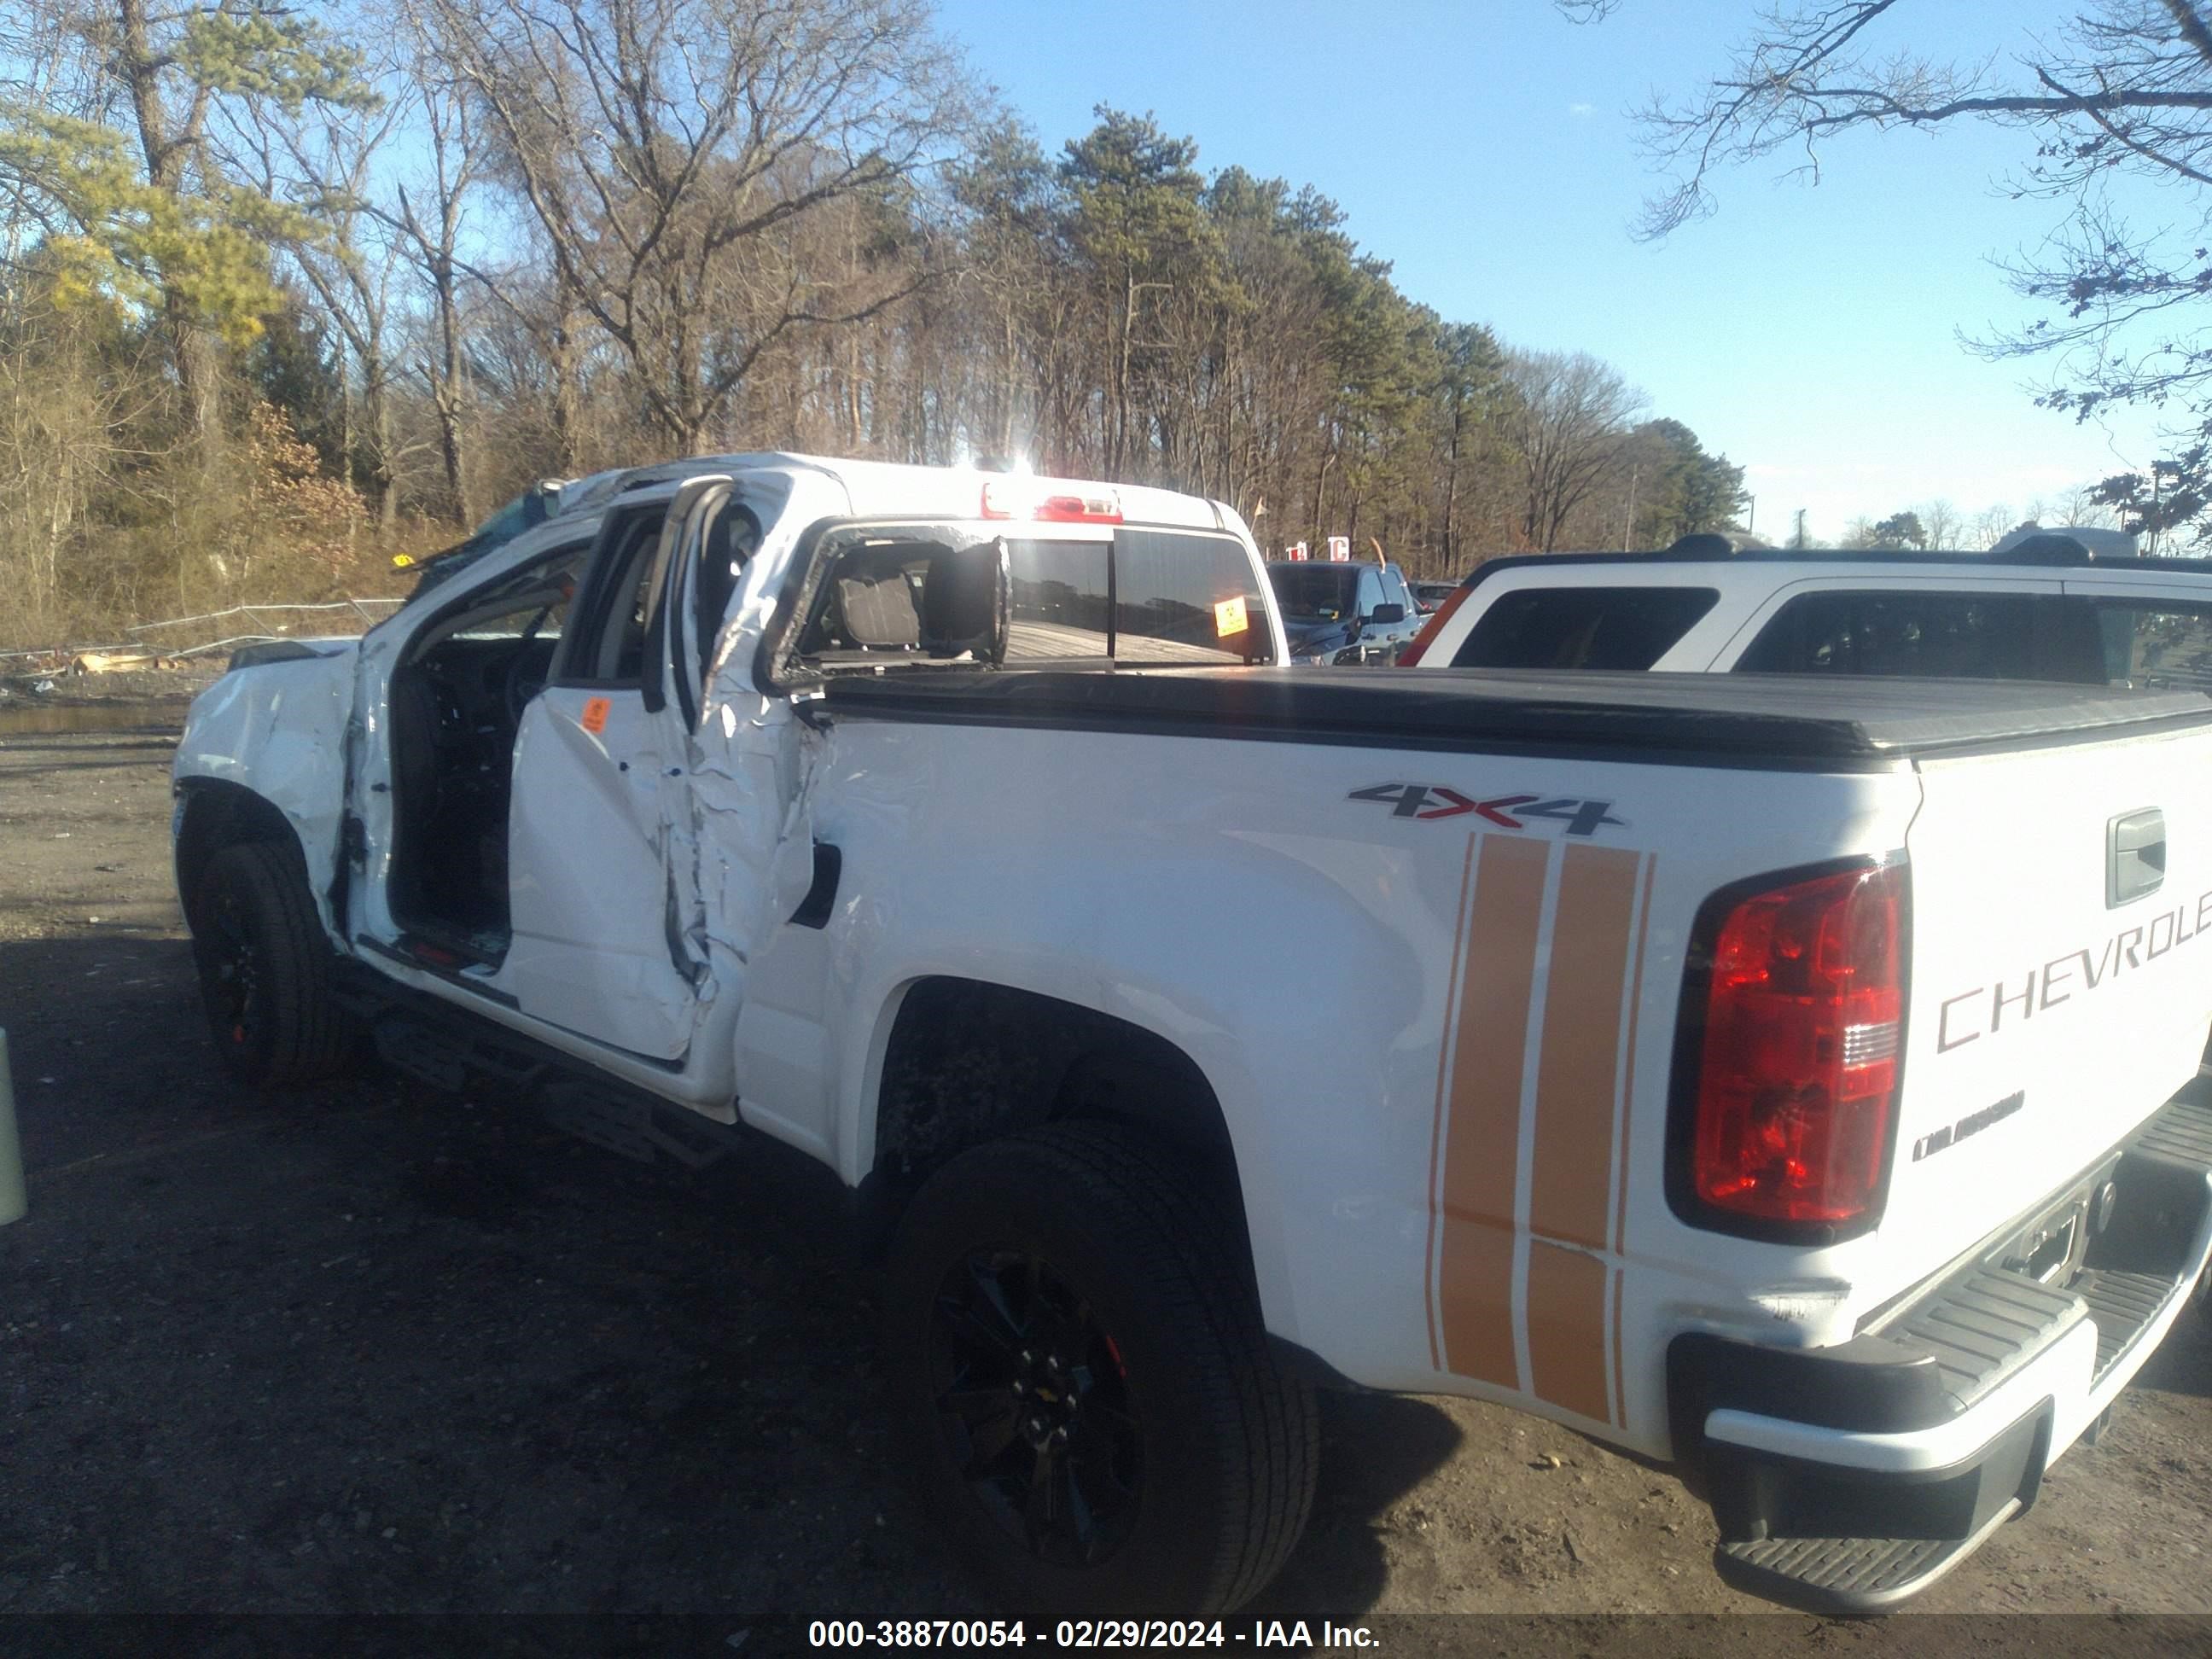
[
  {"x": 595, "y": 714},
  {"x": 1229, "y": 618}
]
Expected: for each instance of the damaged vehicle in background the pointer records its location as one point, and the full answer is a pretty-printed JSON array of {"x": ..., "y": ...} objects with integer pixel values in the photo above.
[{"x": 1696, "y": 1077}]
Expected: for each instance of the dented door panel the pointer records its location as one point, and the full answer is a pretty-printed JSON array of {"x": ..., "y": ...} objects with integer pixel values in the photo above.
[{"x": 586, "y": 885}]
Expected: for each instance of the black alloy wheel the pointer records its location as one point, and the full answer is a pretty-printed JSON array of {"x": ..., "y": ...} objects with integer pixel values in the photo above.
[
  {"x": 1096, "y": 1419},
  {"x": 1033, "y": 1403}
]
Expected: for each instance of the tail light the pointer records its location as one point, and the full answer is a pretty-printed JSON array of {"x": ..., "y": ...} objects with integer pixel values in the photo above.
[
  {"x": 1412, "y": 654},
  {"x": 1796, "y": 1062}
]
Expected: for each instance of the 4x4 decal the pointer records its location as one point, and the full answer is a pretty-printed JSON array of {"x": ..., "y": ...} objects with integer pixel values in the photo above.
[{"x": 1434, "y": 801}]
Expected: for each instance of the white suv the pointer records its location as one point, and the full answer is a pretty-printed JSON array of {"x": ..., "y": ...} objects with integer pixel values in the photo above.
[{"x": 2047, "y": 609}]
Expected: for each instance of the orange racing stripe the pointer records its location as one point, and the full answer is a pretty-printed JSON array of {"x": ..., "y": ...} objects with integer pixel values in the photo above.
[
  {"x": 1577, "y": 1123},
  {"x": 1474, "y": 1268}
]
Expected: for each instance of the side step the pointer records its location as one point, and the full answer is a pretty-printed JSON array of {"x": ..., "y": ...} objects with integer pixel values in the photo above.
[
  {"x": 637, "y": 1127},
  {"x": 1845, "y": 1576},
  {"x": 442, "y": 1045}
]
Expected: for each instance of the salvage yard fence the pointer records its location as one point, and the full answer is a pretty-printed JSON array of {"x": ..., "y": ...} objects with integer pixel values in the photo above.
[{"x": 169, "y": 640}]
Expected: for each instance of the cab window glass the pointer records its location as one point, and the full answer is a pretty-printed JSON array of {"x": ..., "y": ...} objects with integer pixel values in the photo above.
[
  {"x": 1985, "y": 636},
  {"x": 1180, "y": 598},
  {"x": 1059, "y": 603},
  {"x": 1146, "y": 596},
  {"x": 1617, "y": 628},
  {"x": 611, "y": 648},
  {"x": 533, "y": 604},
  {"x": 2164, "y": 645}
]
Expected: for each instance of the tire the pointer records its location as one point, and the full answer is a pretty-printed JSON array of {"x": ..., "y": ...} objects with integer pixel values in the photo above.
[
  {"x": 264, "y": 969},
  {"x": 1090, "y": 1266}
]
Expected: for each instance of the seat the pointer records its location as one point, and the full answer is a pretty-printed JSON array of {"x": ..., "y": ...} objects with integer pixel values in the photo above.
[{"x": 875, "y": 603}]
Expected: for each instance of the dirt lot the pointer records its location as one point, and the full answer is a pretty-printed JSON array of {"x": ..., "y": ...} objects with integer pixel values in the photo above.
[{"x": 371, "y": 1350}]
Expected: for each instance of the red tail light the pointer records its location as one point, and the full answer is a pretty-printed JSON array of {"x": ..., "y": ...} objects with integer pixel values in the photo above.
[
  {"x": 1797, "y": 1067},
  {"x": 1412, "y": 654}
]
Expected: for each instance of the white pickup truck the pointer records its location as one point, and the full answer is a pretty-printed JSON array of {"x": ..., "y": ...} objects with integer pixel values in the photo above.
[{"x": 1794, "y": 1082}]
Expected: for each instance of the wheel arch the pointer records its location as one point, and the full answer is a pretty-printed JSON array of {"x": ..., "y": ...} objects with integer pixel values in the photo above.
[
  {"x": 959, "y": 1061},
  {"x": 213, "y": 813}
]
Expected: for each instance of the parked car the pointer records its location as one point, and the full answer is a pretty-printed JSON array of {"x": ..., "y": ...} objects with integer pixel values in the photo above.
[
  {"x": 1340, "y": 612},
  {"x": 2046, "y": 610},
  {"x": 1696, "y": 1076}
]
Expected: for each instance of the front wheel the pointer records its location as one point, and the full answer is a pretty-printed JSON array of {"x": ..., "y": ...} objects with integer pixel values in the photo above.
[
  {"x": 264, "y": 969},
  {"x": 1098, "y": 1421}
]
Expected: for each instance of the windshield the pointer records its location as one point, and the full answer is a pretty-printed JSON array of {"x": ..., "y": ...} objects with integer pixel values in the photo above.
[
  {"x": 1315, "y": 593},
  {"x": 985, "y": 593}
]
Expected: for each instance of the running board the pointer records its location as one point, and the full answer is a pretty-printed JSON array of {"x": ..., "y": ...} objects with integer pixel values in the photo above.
[
  {"x": 1845, "y": 1576},
  {"x": 445, "y": 1046},
  {"x": 637, "y": 1127}
]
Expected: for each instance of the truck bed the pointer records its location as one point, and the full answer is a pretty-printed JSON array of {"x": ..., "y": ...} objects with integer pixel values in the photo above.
[{"x": 1739, "y": 720}]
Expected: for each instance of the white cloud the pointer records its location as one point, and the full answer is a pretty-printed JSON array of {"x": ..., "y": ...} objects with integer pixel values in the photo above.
[{"x": 1581, "y": 111}]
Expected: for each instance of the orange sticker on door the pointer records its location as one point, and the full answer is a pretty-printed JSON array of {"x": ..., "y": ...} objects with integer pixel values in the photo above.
[
  {"x": 1229, "y": 618},
  {"x": 595, "y": 714}
]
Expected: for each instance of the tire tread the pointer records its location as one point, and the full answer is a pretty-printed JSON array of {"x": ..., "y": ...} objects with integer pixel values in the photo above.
[{"x": 314, "y": 1037}]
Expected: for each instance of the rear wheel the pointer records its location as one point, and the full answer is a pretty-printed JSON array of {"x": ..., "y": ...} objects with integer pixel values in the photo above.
[
  {"x": 264, "y": 969},
  {"x": 1097, "y": 1418}
]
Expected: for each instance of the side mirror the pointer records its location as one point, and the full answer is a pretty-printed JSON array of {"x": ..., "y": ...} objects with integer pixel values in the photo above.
[{"x": 1383, "y": 615}]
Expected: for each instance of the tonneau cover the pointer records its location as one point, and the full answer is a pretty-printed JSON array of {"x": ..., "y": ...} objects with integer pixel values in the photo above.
[{"x": 1737, "y": 719}]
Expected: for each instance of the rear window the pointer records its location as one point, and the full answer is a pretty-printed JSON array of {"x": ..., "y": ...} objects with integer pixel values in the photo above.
[
  {"x": 1146, "y": 596},
  {"x": 1974, "y": 636},
  {"x": 1623, "y": 628}
]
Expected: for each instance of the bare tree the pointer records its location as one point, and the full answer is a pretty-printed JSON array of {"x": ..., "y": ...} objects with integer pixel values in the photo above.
[
  {"x": 2082, "y": 506},
  {"x": 2122, "y": 90},
  {"x": 425, "y": 220},
  {"x": 1942, "y": 522},
  {"x": 326, "y": 165},
  {"x": 1568, "y": 421},
  {"x": 1989, "y": 526},
  {"x": 666, "y": 147}
]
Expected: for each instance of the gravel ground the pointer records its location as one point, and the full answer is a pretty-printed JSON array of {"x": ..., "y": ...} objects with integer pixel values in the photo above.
[{"x": 370, "y": 1349}]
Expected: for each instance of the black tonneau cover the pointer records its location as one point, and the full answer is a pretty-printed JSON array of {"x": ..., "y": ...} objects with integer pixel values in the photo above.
[{"x": 1684, "y": 719}]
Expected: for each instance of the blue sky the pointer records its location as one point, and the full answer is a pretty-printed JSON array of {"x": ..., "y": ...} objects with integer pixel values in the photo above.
[{"x": 1483, "y": 148}]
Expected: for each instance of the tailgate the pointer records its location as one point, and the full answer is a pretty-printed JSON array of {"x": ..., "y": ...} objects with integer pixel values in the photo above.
[{"x": 2061, "y": 972}]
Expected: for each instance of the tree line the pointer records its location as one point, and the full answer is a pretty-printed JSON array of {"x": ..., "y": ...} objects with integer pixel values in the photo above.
[
  {"x": 1940, "y": 525},
  {"x": 284, "y": 289}
]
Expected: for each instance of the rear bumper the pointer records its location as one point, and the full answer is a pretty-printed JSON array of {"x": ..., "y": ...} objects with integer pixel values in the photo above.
[{"x": 1848, "y": 1479}]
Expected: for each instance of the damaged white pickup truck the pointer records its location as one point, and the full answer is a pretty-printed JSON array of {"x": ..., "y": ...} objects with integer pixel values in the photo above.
[{"x": 1795, "y": 1082}]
